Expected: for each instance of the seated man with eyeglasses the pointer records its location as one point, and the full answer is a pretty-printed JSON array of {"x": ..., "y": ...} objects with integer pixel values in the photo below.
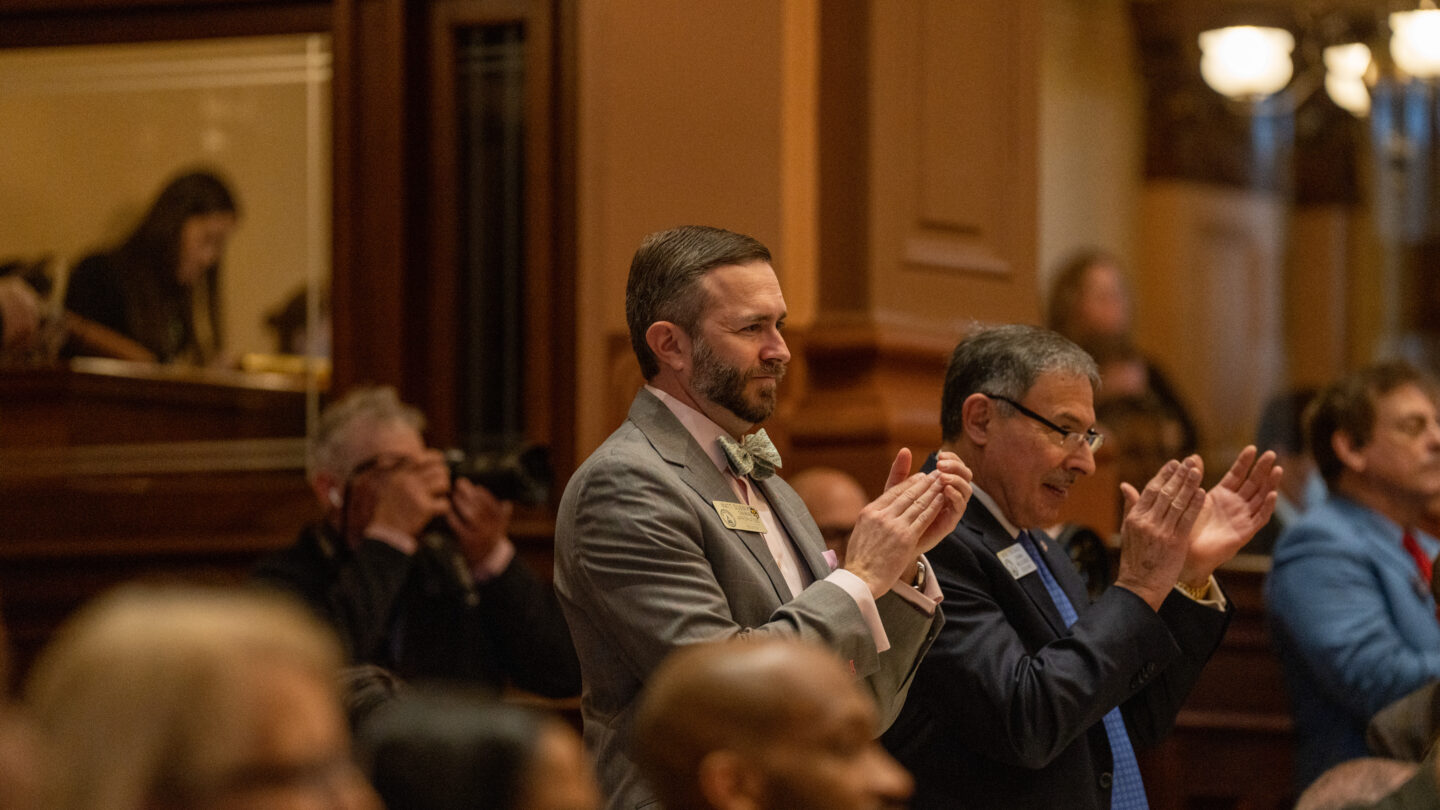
[
  {"x": 1033, "y": 696},
  {"x": 418, "y": 574}
]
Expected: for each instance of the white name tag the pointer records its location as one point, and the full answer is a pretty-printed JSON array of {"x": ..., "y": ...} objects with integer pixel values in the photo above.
[
  {"x": 1016, "y": 561},
  {"x": 740, "y": 516}
]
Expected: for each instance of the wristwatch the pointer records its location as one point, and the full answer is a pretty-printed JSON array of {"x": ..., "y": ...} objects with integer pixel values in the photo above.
[{"x": 919, "y": 573}]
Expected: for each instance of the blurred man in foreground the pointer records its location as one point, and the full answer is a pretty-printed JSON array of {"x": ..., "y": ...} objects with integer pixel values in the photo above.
[{"x": 763, "y": 725}]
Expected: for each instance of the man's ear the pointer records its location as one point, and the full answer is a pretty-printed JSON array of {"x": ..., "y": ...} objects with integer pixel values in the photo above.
[
  {"x": 670, "y": 345},
  {"x": 976, "y": 415},
  {"x": 327, "y": 489},
  {"x": 1347, "y": 451},
  {"x": 727, "y": 782}
]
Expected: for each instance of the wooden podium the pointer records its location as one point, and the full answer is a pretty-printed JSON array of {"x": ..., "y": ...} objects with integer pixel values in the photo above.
[{"x": 111, "y": 470}]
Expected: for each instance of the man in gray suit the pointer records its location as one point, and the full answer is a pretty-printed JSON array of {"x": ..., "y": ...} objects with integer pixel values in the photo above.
[{"x": 675, "y": 530}]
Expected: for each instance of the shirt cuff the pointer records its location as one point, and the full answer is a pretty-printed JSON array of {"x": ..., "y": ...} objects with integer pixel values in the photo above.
[
  {"x": 495, "y": 562},
  {"x": 924, "y": 598},
  {"x": 860, "y": 592},
  {"x": 1215, "y": 598},
  {"x": 395, "y": 538}
]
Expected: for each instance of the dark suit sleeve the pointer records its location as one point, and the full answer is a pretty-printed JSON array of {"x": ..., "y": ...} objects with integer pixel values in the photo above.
[
  {"x": 1197, "y": 630},
  {"x": 1023, "y": 693},
  {"x": 530, "y": 631}
]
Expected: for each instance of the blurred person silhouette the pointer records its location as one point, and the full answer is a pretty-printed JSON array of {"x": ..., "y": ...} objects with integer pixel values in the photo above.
[
  {"x": 434, "y": 748},
  {"x": 1349, "y": 595},
  {"x": 1420, "y": 792},
  {"x": 1141, "y": 434},
  {"x": 834, "y": 498},
  {"x": 762, "y": 724},
  {"x": 21, "y": 761},
  {"x": 160, "y": 286},
  {"x": 1126, "y": 374},
  {"x": 1356, "y": 782},
  {"x": 415, "y": 572},
  {"x": 1091, "y": 303},
  {"x": 19, "y": 312},
  {"x": 1407, "y": 728},
  {"x": 1280, "y": 429},
  {"x": 185, "y": 697},
  {"x": 365, "y": 688}
]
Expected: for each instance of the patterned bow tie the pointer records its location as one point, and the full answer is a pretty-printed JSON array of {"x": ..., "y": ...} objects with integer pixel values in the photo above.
[{"x": 754, "y": 455}]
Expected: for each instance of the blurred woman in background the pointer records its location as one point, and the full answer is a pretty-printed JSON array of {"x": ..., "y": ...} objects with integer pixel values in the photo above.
[{"x": 160, "y": 287}]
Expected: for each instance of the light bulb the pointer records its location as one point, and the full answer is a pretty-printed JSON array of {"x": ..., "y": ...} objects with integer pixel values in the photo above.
[
  {"x": 1415, "y": 42},
  {"x": 1246, "y": 61}
]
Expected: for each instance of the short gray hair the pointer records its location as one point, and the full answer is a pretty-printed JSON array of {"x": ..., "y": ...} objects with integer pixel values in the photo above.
[
  {"x": 332, "y": 448},
  {"x": 1005, "y": 361}
]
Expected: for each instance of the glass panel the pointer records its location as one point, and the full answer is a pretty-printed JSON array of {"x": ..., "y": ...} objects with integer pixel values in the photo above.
[
  {"x": 491, "y": 104},
  {"x": 93, "y": 133}
]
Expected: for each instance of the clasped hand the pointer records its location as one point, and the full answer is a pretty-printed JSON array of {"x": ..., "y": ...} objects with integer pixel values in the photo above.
[
  {"x": 1175, "y": 531},
  {"x": 913, "y": 514}
]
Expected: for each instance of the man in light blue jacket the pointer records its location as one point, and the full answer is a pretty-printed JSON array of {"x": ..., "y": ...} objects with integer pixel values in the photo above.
[{"x": 1349, "y": 591}]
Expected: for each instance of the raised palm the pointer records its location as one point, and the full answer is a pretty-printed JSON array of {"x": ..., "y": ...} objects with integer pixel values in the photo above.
[{"x": 1234, "y": 510}]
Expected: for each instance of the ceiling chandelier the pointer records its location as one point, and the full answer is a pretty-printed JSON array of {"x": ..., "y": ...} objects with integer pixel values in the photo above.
[{"x": 1250, "y": 63}]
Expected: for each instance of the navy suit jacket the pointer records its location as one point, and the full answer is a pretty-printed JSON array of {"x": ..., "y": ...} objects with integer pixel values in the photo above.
[{"x": 1006, "y": 708}]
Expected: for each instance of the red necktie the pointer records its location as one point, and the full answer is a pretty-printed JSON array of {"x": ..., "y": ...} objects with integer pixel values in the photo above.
[{"x": 1422, "y": 563}]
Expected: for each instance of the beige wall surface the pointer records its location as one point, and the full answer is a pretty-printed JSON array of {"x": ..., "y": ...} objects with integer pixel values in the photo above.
[
  {"x": 954, "y": 178},
  {"x": 91, "y": 134},
  {"x": 707, "y": 113},
  {"x": 679, "y": 123},
  {"x": 1091, "y": 132}
]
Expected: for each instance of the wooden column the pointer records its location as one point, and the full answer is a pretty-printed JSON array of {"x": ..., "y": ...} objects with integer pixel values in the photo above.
[{"x": 927, "y": 218}]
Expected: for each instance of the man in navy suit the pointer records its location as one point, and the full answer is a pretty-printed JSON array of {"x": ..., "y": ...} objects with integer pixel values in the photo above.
[{"x": 1033, "y": 697}]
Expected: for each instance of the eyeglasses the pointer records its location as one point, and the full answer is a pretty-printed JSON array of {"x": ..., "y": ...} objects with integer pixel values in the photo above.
[
  {"x": 383, "y": 463},
  {"x": 1069, "y": 439}
]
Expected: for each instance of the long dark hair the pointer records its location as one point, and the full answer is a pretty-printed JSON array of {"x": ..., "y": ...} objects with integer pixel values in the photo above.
[{"x": 159, "y": 310}]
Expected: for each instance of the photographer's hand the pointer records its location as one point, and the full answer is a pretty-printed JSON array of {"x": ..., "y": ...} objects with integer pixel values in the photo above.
[
  {"x": 408, "y": 495},
  {"x": 482, "y": 524}
]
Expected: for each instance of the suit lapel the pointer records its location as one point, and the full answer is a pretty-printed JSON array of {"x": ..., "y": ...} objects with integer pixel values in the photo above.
[
  {"x": 678, "y": 448},
  {"x": 995, "y": 539}
]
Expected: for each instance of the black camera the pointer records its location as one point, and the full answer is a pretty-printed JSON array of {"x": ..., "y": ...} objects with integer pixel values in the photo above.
[{"x": 519, "y": 473}]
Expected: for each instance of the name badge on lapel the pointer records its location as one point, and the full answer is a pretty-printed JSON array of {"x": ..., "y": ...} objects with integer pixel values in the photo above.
[
  {"x": 739, "y": 516},
  {"x": 1016, "y": 561}
]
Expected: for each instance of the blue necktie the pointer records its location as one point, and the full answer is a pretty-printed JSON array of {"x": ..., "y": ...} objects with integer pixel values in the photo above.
[{"x": 1127, "y": 791}]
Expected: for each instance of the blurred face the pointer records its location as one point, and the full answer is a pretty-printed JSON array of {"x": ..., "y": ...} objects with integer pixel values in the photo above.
[
  {"x": 1403, "y": 454},
  {"x": 385, "y": 445},
  {"x": 296, "y": 751},
  {"x": 739, "y": 356},
  {"x": 835, "y": 502},
  {"x": 392, "y": 464},
  {"x": 560, "y": 778},
  {"x": 1025, "y": 467},
  {"x": 1124, "y": 378},
  {"x": 202, "y": 244},
  {"x": 831, "y": 761},
  {"x": 1104, "y": 307}
]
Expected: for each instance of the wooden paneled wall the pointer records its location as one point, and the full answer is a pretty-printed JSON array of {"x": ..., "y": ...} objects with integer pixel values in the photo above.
[{"x": 918, "y": 216}]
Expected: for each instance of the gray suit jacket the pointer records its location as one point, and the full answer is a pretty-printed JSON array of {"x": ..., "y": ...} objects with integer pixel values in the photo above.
[{"x": 643, "y": 564}]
